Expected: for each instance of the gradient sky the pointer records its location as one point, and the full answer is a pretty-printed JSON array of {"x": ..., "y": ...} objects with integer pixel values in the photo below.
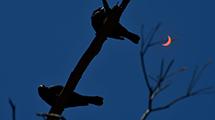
[{"x": 42, "y": 40}]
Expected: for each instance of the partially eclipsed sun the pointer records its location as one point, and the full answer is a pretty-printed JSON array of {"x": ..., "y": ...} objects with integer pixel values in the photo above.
[{"x": 169, "y": 41}]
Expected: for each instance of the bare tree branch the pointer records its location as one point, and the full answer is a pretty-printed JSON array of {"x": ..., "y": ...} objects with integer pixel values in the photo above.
[
  {"x": 144, "y": 48},
  {"x": 148, "y": 40},
  {"x": 162, "y": 76},
  {"x": 75, "y": 76},
  {"x": 88, "y": 56},
  {"x": 196, "y": 76},
  {"x": 191, "y": 85},
  {"x": 205, "y": 90},
  {"x": 159, "y": 90},
  {"x": 13, "y": 107},
  {"x": 161, "y": 82},
  {"x": 168, "y": 68},
  {"x": 170, "y": 103},
  {"x": 145, "y": 75}
]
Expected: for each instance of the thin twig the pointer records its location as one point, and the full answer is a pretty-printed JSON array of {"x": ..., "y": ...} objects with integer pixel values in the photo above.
[
  {"x": 203, "y": 91},
  {"x": 145, "y": 75},
  {"x": 144, "y": 48},
  {"x": 170, "y": 103},
  {"x": 191, "y": 85},
  {"x": 197, "y": 78},
  {"x": 159, "y": 90},
  {"x": 168, "y": 68},
  {"x": 13, "y": 107},
  {"x": 198, "y": 92},
  {"x": 149, "y": 39},
  {"x": 162, "y": 77}
]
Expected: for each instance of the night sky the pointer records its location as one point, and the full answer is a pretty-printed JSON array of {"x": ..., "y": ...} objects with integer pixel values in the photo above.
[{"x": 41, "y": 41}]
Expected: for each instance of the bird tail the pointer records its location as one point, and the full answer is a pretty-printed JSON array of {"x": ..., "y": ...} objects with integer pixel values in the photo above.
[
  {"x": 131, "y": 36},
  {"x": 96, "y": 100}
]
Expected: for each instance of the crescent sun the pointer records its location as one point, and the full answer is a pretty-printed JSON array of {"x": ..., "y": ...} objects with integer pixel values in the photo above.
[{"x": 169, "y": 41}]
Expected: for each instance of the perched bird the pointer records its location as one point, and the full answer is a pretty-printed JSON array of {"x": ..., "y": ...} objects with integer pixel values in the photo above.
[
  {"x": 98, "y": 18},
  {"x": 50, "y": 94}
]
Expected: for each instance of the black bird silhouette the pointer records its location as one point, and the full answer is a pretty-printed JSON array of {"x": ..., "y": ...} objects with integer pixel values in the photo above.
[
  {"x": 100, "y": 15},
  {"x": 50, "y": 94}
]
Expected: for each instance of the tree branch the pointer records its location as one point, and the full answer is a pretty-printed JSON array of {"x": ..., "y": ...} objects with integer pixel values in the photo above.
[
  {"x": 146, "y": 42},
  {"x": 161, "y": 83},
  {"x": 145, "y": 74},
  {"x": 77, "y": 73},
  {"x": 13, "y": 107},
  {"x": 85, "y": 60},
  {"x": 170, "y": 103}
]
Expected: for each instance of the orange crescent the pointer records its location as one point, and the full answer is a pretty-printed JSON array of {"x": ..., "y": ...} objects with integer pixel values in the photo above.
[{"x": 169, "y": 41}]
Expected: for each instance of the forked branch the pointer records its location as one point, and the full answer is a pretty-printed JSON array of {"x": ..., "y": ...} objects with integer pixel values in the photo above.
[{"x": 161, "y": 83}]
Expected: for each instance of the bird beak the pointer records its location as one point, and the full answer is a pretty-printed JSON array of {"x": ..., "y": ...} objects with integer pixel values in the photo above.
[{"x": 41, "y": 86}]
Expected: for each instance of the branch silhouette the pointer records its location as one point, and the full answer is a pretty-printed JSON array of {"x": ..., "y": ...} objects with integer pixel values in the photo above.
[
  {"x": 46, "y": 115},
  {"x": 94, "y": 48},
  {"x": 161, "y": 82},
  {"x": 13, "y": 107}
]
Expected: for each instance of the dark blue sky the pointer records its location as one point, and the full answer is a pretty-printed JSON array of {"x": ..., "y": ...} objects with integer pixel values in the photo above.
[{"x": 42, "y": 40}]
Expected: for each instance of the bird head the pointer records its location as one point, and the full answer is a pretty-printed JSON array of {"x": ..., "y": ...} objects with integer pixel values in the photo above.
[
  {"x": 44, "y": 93},
  {"x": 42, "y": 89}
]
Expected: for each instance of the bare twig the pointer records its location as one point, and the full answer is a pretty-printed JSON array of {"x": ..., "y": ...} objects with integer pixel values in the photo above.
[
  {"x": 145, "y": 75},
  {"x": 163, "y": 76},
  {"x": 196, "y": 76},
  {"x": 159, "y": 90},
  {"x": 191, "y": 85},
  {"x": 180, "y": 98},
  {"x": 170, "y": 103},
  {"x": 144, "y": 48},
  {"x": 13, "y": 107},
  {"x": 148, "y": 40}
]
